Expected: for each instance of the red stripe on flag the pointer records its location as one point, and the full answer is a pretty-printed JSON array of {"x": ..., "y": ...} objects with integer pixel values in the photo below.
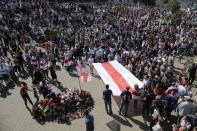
[
  {"x": 85, "y": 77},
  {"x": 118, "y": 78},
  {"x": 80, "y": 66}
]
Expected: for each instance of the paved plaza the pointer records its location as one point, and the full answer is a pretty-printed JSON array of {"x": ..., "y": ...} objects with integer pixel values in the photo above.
[{"x": 15, "y": 117}]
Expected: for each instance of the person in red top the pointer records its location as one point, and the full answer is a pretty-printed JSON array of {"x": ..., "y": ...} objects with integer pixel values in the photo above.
[
  {"x": 184, "y": 81},
  {"x": 157, "y": 90},
  {"x": 24, "y": 94},
  {"x": 46, "y": 45},
  {"x": 66, "y": 61}
]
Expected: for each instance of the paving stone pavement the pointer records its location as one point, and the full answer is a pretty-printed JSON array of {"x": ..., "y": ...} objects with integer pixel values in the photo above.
[{"x": 15, "y": 117}]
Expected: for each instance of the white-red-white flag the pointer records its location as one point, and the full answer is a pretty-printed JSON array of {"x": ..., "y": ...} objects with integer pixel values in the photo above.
[
  {"x": 83, "y": 72},
  {"x": 86, "y": 77},
  {"x": 117, "y": 77}
]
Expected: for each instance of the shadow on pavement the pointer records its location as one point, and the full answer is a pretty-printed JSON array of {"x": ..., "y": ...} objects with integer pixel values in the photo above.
[
  {"x": 121, "y": 120},
  {"x": 4, "y": 89},
  {"x": 141, "y": 125},
  {"x": 4, "y": 92},
  {"x": 73, "y": 74},
  {"x": 131, "y": 111},
  {"x": 58, "y": 85},
  {"x": 40, "y": 121},
  {"x": 113, "y": 125}
]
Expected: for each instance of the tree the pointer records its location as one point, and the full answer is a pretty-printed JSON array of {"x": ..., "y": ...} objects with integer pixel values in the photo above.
[
  {"x": 175, "y": 8},
  {"x": 176, "y": 18}
]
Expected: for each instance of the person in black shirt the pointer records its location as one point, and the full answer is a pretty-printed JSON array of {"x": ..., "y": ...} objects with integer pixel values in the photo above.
[
  {"x": 126, "y": 97},
  {"x": 53, "y": 73},
  {"x": 107, "y": 99},
  {"x": 147, "y": 98},
  {"x": 192, "y": 73},
  {"x": 4, "y": 49},
  {"x": 37, "y": 76},
  {"x": 20, "y": 59},
  {"x": 43, "y": 89},
  {"x": 36, "y": 95}
]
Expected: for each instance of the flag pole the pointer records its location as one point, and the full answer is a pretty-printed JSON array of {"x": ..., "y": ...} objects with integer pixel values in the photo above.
[
  {"x": 79, "y": 83},
  {"x": 81, "y": 114},
  {"x": 79, "y": 75},
  {"x": 80, "y": 93}
]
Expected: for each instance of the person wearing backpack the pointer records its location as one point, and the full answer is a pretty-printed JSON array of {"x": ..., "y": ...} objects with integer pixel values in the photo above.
[{"x": 126, "y": 97}]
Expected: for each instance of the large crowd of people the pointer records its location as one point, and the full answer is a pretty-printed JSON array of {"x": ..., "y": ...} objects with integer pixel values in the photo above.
[{"x": 143, "y": 39}]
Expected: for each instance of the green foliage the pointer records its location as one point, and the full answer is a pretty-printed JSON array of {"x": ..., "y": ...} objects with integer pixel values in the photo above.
[
  {"x": 64, "y": 15},
  {"x": 51, "y": 35},
  {"x": 176, "y": 18},
  {"x": 66, "y": 35},
  {"x": 111, "y": 19},
  {"x": 174, "y": 6}
]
